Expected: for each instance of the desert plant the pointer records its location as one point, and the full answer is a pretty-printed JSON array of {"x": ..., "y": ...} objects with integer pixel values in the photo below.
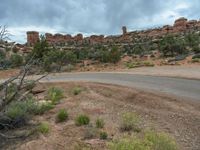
[
  {"x": 42, "y": 108},
  {"x": 19, "y": 112},
  {"x": 44, "y": 128},
  {"x": 151, "y": 141},
  {"x": 158, "y": 141},
  {"x": 100, "y": 123},
  {"x": 129, "y": 143},
  {"x": 103, "y": 135},
  {"x": 21, "y": 109},
  {"x": 82, "y": 120},
  {"x": 62, "y": 115},
  {"x": 16, "y": 60},
  {"x": 41, "y": 48},
  {"x": 55, "y": 95},
  {"x": 77, "y": 90},
  {"x": 196, "y": 60},
  {"x": 130, "y": 121},
  {"x": 148, "y": 64}
]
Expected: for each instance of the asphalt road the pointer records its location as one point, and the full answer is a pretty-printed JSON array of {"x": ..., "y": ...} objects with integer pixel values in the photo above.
[{"x": 185, "y": 88}]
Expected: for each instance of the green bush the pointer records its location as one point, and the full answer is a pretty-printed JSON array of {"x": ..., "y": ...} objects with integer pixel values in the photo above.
[
  {"x": 151, "y": 141},
  {"x": 21, "y": 109},
  {"x": 130, "y": 121},
  {"x": 16, "y": 60},
  {"x": 100, "y": 123},
  {"x": 77, "y": 90},
  {"x": 55, "y": 95},
  {"x": 82, "y": 120},
  {"x": 62, "y": 115},
  {"x": 115, "y": 55},
  {"x": 103, "y": 135},
  {"x": 44, "y": 128}
]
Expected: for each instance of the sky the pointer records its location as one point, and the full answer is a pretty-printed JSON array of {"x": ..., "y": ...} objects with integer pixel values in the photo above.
[{"x": 91, "y": 16}]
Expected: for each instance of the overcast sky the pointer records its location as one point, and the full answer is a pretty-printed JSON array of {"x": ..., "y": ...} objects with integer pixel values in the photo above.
[{"x": 91, "y": 16}]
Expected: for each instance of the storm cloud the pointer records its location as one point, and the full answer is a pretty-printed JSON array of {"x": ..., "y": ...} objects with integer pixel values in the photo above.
[{"x": 91, "y": 16}]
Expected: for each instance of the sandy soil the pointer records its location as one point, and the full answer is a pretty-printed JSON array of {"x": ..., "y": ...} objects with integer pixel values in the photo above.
[{"x": 180, "y": 119}]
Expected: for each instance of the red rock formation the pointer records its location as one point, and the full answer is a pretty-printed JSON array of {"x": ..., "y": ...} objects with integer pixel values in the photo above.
[
  {"x": 180, "y": 24},
  {"x": 95, "y": 39},
  {"x": 32, "y": 38}
]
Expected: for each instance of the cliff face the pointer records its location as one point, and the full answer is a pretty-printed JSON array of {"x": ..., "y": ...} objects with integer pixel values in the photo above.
[{"x": 180, "y": 26}]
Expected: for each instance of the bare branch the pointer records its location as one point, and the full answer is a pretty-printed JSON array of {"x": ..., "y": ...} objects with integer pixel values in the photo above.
[{"x": 4, "y": 34}]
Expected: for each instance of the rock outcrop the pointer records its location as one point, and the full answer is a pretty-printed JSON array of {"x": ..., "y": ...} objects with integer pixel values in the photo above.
[
  {"x": 181, "y": 25},
  {"x": 32, "y": 38}
]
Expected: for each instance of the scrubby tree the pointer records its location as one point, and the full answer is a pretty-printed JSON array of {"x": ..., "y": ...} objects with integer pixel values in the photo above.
[
  {"x": 16, "y": 60},
  {"x": 172, "y": 46},
  {"x": 115, "y": 55},
  {"x": 60, "y": 58},
  {"x": 40, "y": 48}
]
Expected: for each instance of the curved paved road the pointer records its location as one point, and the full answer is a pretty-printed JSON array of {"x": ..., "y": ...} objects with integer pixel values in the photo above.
[{"x": 180, "y": 87}]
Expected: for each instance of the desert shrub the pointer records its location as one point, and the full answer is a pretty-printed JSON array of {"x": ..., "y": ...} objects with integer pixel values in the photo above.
[
  {"x": 77, "y": 90},
  {"x": 29, "y": 84},
  {"x": 82, "y": 120},
  {"x": 21, "y": 109},
  {"x": 196, "y": 56},
  {"x": 44, "y": 128},
  {"x": 42, "y": 108},
  {"x": 128, "y": 144},
  {"x": 41, "y": 48},
  {"x": 172, "y": 46},
  {"x": 196, "y": 60},
  {"x": 115, "y": 55},
  {"x": 55, "y": 95},
  {"x": 130, "y": 121},
  {"x": 62, "y": 115},
  {"x": 19, "y": 112},
  {"x": 16, "y": 60},
  {"x": 148, "y": 64},
  {"x": 69, "y": 68},
  {"x": 11, "y": 90},
  {"x": 151, "y": 141},
  {"x": 196, "y": 49},
  {"x": 60, "y": 58},
  {"x": 158, "y": 141},
  {"x": 132, "y": 65},
  {"x": 103, "y": 135},
  {"x": 2, "y": 55},
  {"x": 100, "y": 123}
]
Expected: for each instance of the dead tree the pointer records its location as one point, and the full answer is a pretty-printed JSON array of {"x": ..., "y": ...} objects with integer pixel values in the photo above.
[
  {"x": 21, "y": 90},
  {"x": 4, "y": 34}
]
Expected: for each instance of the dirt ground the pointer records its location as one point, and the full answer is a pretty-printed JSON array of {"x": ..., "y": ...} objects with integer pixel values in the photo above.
[{"x": 180, "y": 119}]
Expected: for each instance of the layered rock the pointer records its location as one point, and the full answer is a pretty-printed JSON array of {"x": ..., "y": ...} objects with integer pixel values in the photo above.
[
  {"x": 32, "y": 38},
  {"x": 181, "y": 25}
]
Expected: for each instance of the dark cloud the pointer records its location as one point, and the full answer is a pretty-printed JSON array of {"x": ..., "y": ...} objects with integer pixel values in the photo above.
[{"x": 92, "y": 16}]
